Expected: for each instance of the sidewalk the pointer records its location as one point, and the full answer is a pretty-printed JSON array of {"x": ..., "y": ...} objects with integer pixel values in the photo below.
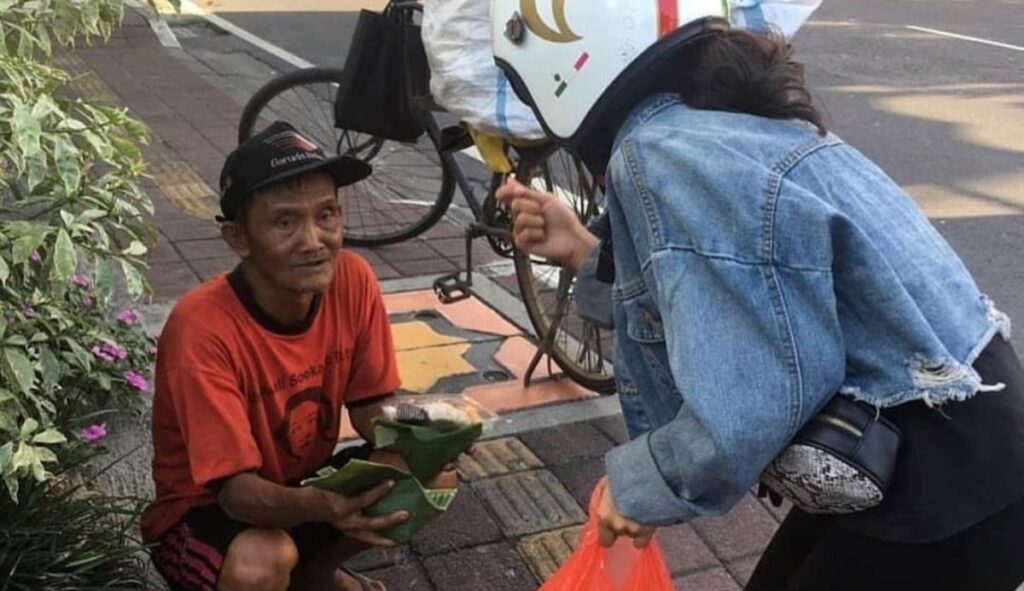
[{"x": 516, "y": 518}]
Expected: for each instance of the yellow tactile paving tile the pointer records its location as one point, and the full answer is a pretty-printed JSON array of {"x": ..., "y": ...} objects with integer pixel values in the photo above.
[
  {"x": 408, "y": 336},
  {"x": 469, "y": 314},
  {"x": 421, "y": 368}
]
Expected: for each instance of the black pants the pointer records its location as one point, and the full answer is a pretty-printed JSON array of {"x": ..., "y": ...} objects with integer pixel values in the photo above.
[{"x": 814, "y": 553}]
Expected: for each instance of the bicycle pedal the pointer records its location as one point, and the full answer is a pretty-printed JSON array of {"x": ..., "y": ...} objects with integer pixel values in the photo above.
[{"x": 451, "y": 288}]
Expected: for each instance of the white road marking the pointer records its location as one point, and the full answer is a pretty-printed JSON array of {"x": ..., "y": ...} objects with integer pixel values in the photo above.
[
  {"x": 188, "y": 7},
  {"x": 966, "y": 38},
  {"x": 163, "y": 32}
]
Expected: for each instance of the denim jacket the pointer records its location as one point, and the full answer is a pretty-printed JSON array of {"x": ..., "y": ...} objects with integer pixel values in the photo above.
[{"x": 761, "y": 268}]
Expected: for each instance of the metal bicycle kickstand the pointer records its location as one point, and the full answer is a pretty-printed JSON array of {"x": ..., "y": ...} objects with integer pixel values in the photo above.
[{"x": 548, "y": 341}]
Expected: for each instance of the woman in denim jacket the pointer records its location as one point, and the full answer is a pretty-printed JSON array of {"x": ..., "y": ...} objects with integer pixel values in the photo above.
[{"x": 762, "y": 266}]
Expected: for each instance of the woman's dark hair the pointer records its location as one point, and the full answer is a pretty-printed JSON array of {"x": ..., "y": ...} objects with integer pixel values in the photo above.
[{"x": 746, "y": 73}]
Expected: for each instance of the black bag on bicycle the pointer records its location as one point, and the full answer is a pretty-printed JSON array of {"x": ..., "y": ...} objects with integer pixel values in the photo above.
[{"x": 385, "y": 71}]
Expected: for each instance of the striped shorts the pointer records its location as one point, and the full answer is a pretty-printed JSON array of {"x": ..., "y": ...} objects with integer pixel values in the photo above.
[{"x": 190, "y": 555}]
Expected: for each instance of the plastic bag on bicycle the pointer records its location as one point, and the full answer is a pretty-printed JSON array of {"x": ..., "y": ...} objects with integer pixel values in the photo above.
[{"x": 463, "y": 77}]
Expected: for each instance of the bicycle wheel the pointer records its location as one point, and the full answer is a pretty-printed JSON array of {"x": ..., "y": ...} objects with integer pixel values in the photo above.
[
  {"x": 411, "y": 186},
  {"x": 580, "y": 348}
]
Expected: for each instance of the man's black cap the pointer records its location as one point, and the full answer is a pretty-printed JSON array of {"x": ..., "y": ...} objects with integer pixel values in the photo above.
[{"x": 278, "y": 153}]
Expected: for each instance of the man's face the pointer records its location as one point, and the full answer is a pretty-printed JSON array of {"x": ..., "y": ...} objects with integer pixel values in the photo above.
[{"x": 291, "y": 233}]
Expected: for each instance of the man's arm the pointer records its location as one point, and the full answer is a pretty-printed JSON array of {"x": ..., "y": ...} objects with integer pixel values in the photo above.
[
  {"x": 261, "y": 503},
  {"x": 254, "y": 500},
  {"x": 362, "y": 414}
]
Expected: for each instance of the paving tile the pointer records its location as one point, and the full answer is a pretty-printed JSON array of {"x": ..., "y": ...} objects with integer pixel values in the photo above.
[
  {"x": 466, "y": 523},
  {"x": 410, "y": 301},
  {"x": 515, "y": 355},
  {"x": 684, "y": 551},
  {"x": 445, "y": 229},
  {"x": 497, "y": 457},
  {"x": 405, "y": 576},
  {"x": 529, "y": 502},
  {"x": 172, "y": 172},
  {"x": 580, "y": 477},
  {"x": 469, "y": 314},
  {"x": 209, "y": 268},
  {"x": 423, "y": 267},
  {"x": 546, "y": 552},
  {"x": 162, "y": 252},
  {"x": 421, "y": 369},
  {"x": 416, "y": 334},
  {"x": 613, "y": 427},
  {"x": 511, "y": 396},
  {"x": 455, "y": 249},
  {"x": 385, "y": 271},
  {"x": 171, "y": 280},
  {"x": 743, "y": 531},
  {"x": 742, "y": 569},
  {"x": 410, "y": 250},
  {"x": 152, "y": 107},
  {"x": 715, "y": 579},
  {"x": 496, "y": 567},
  {"x": 375, "y": 558},
  {"x": 211, "y": 248},
  {"x": 567, "y": 443},
  {"x": 366, "y": 254},
  {"x": 193, "y": 199},
  {"x": 472, "y": 314},
  {"x": 187, "y": 229}
]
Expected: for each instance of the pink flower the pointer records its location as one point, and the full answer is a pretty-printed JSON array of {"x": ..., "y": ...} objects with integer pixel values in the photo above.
[
  {"x": 128, "y": 316},
  {"x": 94, "y": 432},
  {"x": 136, "y": 380},
  {"x": 87, "y": 303},
  {"x": 28, "y": 311},
  {"x": 80, "y": 280},
  {"x": 109, "y": 352},
  {"x": 35, "y": 257}
]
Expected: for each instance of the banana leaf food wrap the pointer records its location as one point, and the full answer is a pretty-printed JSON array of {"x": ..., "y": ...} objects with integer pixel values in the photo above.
[{"x": 426, "y": 448}]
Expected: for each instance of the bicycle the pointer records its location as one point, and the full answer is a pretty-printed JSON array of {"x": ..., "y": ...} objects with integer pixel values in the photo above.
[{"x": 404, "y": 198}]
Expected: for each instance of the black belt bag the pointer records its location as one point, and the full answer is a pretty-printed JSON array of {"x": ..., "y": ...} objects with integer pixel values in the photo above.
[{"x": 842, "y": 461}]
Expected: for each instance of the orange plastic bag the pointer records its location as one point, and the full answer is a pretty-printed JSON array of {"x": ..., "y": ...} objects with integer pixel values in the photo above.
[{"x": 619, "y": 568}]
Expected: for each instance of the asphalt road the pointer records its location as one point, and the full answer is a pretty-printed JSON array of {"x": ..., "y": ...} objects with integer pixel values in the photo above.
[{"x": 943, "y": 116}]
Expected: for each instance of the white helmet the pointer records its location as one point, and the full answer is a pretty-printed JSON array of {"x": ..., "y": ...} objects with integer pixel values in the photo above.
[{"x": 571, "y": 59}]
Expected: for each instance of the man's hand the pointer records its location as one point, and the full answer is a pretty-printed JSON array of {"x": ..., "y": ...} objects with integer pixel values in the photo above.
[
  {"x": 546, "y": 227},
  {"x": 346, "y": 514},
  {"x": 611, "y": 524}
]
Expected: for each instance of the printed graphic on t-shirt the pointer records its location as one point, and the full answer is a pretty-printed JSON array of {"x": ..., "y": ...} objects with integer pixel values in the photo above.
[{"x": 308, "y": 416}]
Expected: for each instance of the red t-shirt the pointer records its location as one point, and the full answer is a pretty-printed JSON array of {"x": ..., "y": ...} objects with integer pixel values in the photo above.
[{"x": 236, "y": 393}]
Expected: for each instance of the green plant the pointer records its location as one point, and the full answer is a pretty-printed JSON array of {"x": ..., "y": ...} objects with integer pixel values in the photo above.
[
  {"x": 70, "y": 208},
  {"x": 61, "y": 535}
]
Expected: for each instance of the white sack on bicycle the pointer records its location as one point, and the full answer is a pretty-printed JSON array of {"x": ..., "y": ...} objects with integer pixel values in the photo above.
[{"x": 463, "y": 77}]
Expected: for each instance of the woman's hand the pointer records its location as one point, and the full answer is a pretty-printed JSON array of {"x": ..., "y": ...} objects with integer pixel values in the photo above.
[
  {"x": 611, "y": 524},
  {"x": 546, "y": 227}
]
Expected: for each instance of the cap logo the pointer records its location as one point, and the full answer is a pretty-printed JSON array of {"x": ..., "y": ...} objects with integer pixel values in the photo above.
[
  {"x": 289, "y": 140},
  {"x": 561, "y": 33},
  {"x": 293, "y": 158}
]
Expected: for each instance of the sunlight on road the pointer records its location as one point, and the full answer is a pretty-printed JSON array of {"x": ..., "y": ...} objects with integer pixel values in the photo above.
[{"x": 989, "y": 116}]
